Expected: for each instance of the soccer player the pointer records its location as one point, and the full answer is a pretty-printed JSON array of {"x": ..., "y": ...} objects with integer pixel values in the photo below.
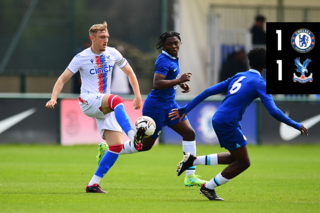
[
  {"x": 95, "y": 65},
  {"x": 241, "y": 90},
  {"x": 161, "y": 100}
]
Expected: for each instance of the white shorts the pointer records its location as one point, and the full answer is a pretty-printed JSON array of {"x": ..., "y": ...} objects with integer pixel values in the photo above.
[{"x": 90, "y": 104}]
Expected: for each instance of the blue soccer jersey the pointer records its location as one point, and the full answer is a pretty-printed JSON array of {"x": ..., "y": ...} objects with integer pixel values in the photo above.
[
  {"x": 169, "y": 67},
  {"x": 241, "y": 90}
]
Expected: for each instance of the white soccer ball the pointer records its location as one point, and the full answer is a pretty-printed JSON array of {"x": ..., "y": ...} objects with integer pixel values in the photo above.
[{"x": 147, "y": 123}]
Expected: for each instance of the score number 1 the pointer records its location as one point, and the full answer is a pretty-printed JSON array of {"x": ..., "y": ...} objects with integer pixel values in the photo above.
[
  {"x": 279, "y": 62},
  {"x": 279, "y": 39}
]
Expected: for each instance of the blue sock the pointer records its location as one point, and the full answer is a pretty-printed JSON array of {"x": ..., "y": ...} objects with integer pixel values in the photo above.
[
  {"x": 123, "y": 118},
  {"x": 106, "y": 163}
]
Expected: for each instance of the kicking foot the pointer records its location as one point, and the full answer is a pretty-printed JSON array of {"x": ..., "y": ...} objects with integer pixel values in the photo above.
[
  {"x": 138, "y": 138},
  {"x": 210, "y": 194},
  {"x": 186, "y": 163},
  {"x": 95, "y": 188},
  {"x": 193, "y": 180},
  {"x": 102, "y": 150}
]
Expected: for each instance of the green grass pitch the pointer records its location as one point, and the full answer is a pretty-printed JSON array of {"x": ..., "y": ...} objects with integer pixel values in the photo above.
[{"x": 44, "y": 178}]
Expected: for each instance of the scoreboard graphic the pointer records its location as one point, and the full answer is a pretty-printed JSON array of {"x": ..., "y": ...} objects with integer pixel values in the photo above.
[{"x": 293, "y": 58}]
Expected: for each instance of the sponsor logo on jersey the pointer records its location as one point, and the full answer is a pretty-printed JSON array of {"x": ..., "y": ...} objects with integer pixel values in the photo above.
[
  {"x": 303, "y": 40},
  {"x": 302, "y": 68}
]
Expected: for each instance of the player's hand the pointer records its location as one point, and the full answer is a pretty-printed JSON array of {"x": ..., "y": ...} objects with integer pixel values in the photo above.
[
  {"x": 304, "y": 130},
  {"x": 137, "y": 102},
  {"x": 185, "y": 77},
  {"x": 174, "y": 114},
  {"x": 185, "y": 87},
  {"x": 50, "y": 104}
]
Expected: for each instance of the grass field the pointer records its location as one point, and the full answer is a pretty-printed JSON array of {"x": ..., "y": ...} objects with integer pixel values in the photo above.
[{"x": 53, "y": 178}]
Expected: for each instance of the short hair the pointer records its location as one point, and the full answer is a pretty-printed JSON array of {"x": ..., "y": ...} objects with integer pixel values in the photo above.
[
  {"x": 97, "y": 27},
  {"x": 257, "y": 58},
  {"x": 260, "y": 18},
  {"x": 162, "y": 39}
]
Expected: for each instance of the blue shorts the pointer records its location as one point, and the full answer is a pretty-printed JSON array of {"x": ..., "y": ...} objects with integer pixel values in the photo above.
[
  {"x": 230, "y": 138},
  {"x": 160, "y": 116}
]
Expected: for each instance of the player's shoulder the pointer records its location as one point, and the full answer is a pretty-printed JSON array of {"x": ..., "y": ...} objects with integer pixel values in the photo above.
[
  {"x": 112, "y": 53},
  {"x": 162, "y": 60},
  {"x": 84, "y": 53}
]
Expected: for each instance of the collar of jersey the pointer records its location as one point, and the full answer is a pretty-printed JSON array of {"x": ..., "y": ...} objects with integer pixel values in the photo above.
[
  {"x": 164, "y": 52},
  {"x": 95, "y": 53},
  {"x": 253, "y": 70}
]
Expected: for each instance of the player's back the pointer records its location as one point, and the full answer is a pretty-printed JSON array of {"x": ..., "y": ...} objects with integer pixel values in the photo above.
[{"x": 243, "y": 88}]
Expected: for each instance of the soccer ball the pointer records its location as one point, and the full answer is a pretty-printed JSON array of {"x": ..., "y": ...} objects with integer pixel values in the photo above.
[{"x": 147, "y": 123}]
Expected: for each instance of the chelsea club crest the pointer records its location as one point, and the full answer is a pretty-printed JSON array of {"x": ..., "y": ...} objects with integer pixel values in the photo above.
[
  {"x": 302, "y": 68},
  {"x": 303, "y": 40}
]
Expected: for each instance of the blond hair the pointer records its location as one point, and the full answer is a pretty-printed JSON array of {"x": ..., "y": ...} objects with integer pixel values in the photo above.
[{"x": 97, "y": 27}]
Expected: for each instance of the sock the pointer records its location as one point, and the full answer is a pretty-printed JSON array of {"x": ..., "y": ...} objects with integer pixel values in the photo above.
[
  {"x": 211, "y": 160},
  {"x": 128, "y": 148},
  {"x": 190, "y": 146},
  {"x": 95, "y": 180},
  {"x": 131, "y": 135},
  {"x": 116, "y": 104},
  {"x": 216, "y": 181},
  {"x": 106, "y": 163}
]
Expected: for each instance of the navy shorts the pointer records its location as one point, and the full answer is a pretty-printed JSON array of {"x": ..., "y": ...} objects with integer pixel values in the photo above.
[
  {"x": 160, "y": 116},
  {"x": 230, "y": 138}
]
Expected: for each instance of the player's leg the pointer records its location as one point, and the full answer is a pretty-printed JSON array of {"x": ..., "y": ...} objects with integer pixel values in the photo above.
[
  {"x": 190, "y": 160},
  {"x": 114, "y": 139},
  {"x": 236, "y": 143},
  {"x": 114, "y": 103},
  {"x": 184, "y": 129},
  {"x": 241, "y": 163}
]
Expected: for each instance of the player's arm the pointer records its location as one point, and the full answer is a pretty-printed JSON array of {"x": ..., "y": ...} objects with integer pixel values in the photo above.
[
  {"x": 64, "y": 77},
  {"x": 137, "y": 102},
  {"x": 159, "y": 81},
  {"x": 275, "y": 112},
  {"x": 214, "y": 90}
]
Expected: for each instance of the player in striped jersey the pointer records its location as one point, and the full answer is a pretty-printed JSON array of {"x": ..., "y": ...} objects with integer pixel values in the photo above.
[{"x": 95, "y": 65}]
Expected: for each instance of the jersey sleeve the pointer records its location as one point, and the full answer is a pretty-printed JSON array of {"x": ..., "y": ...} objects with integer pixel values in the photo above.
[
  {"x": 275, "y": 112},
  {"x": 261, "y": 91},
  {"x": 214, "y": 90},
  {"x": 120, "y": 60},
  {"x": 75, "y": 64},
  {"x": 162, "y": 67}
]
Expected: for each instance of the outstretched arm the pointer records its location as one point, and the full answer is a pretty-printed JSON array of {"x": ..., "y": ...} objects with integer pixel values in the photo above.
[
  {"x": 216, "y": 89},
  {"x": 280, "y": 116},
  {"x": 275, "y": 111}
]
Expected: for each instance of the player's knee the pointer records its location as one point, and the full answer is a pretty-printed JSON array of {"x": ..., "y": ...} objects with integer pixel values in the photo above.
[
  {"x": 114, "y": 101},
  {"x": 189, "y": 135},
  {"x": 246, "y": 164}
]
